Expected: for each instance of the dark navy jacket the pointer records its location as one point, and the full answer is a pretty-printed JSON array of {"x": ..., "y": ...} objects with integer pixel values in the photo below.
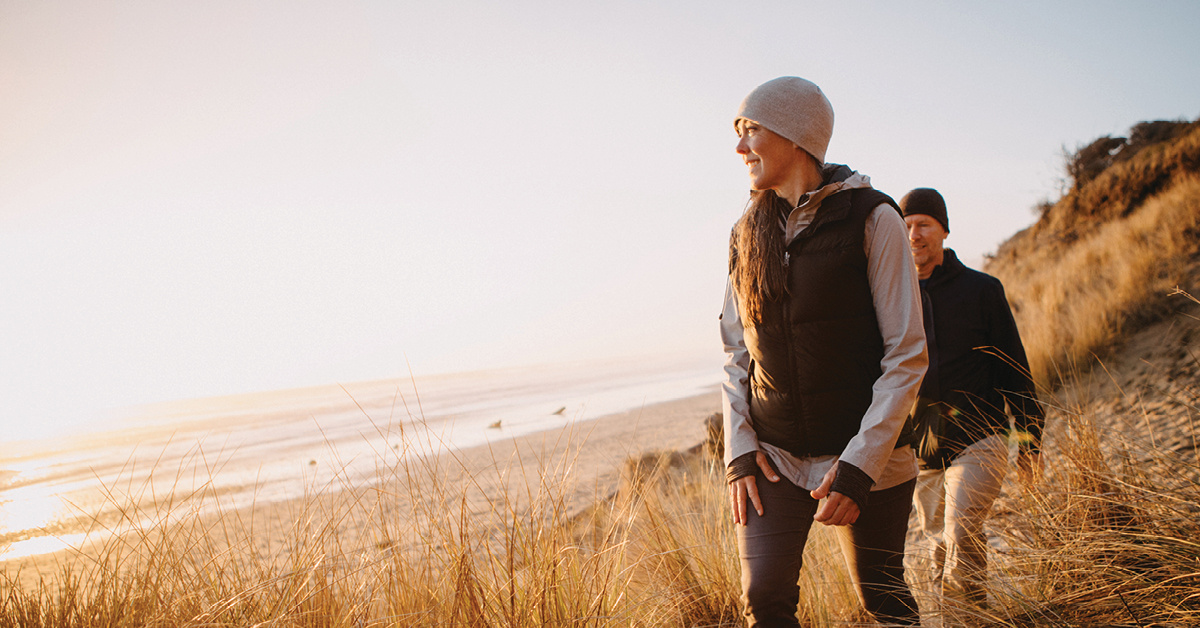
[{"x": 980, "y": 360}]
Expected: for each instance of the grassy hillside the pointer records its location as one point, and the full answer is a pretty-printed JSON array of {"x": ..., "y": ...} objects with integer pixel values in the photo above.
[{"x": 1101, "y": 262}]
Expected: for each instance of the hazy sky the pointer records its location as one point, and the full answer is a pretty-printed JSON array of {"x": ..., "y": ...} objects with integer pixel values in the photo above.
[{"x": 203, "y": 198}]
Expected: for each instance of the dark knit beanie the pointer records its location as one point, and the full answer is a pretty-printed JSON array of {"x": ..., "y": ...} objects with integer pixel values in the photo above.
[{"x": 926, "y": 201}]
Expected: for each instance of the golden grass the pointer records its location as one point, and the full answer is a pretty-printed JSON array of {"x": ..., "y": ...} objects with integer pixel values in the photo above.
[
  {"x": 415, "y": 549},
  {"x": 1074, "y": 302},
  {"x": 1102, "y": 540},
  {"x": 411, "y": 550},
  {"x": 1110, "y": 537},
  {"x": 1099, "y": 262}
]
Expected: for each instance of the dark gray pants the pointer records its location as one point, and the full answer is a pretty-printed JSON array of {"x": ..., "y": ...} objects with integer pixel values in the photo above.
[{"x": 772, "y": 548}]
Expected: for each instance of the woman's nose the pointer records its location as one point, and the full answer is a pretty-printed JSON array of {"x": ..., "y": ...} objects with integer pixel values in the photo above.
[{"x": 742, "y": 148}]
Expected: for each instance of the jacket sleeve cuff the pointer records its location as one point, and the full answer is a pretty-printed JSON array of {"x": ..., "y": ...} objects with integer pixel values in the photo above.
[
  {"x": 852, "y": 482},
  {"x": 744, "y": 465}
]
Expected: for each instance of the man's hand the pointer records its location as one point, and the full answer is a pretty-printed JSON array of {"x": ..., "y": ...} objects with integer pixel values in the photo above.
[
  {"x": 745, "y": 487},
  {"x": 838, "y": 510}
]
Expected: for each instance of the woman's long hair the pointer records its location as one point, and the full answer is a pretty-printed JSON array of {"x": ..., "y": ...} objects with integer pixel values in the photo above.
[{"x": 757, "y": 265}]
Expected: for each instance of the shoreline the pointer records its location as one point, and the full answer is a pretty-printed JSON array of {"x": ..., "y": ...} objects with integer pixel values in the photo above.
[{"x": 580, "y": 464}]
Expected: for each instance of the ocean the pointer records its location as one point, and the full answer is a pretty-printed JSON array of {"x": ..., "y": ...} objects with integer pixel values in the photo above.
[{"x": 279, "y": 445}]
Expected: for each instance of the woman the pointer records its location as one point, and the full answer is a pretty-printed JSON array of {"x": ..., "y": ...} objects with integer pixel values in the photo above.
[{"x": 824, "y": 354}]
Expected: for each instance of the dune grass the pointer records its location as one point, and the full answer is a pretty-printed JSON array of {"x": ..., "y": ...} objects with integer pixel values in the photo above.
[
  {"x": 1110, "y": 537},
  {"x": 1077, "y": 302},
  {"x": 1103, "y": 539},
  {"x": 412, "y": 549},
  {"x": 416, "y": 549},
  {"x": 1102, "y": 261}
]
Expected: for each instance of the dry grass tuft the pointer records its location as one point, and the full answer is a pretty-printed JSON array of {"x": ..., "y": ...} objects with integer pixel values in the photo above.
[{"x": 1108, "y": 538}]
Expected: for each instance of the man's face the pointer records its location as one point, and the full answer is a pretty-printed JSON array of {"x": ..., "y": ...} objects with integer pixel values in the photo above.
[{"x": 925, "y": 237}]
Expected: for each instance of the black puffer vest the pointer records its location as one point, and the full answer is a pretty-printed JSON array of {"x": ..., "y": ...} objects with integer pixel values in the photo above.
[{"x": 817, "y": 352}]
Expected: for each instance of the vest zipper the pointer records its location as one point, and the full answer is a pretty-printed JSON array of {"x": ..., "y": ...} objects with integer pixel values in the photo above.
[{"x": 794, "y": 393}]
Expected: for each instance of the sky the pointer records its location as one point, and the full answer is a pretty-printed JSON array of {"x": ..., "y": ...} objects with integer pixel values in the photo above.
[{"x": 210, "y": 198}]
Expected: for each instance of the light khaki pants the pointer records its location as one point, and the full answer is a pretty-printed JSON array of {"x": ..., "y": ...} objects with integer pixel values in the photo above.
[{"x": 951, "y": 506}]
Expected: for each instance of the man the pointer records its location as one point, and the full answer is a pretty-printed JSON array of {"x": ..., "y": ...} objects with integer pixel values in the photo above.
[{"x": 977, "y": 369}]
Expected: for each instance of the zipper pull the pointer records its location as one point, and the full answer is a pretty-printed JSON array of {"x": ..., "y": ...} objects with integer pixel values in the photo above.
[{"x": 787, "y": 282}]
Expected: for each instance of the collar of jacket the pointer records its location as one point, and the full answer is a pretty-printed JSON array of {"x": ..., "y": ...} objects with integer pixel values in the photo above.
[
  {"x": 824, "y": 204},
  {"x": 947, "y": 270}
]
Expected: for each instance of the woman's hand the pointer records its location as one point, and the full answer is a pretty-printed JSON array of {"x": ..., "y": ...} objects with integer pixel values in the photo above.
[
  {"x": 745, "y": 487},
  {"x": 838, "y": 510}
]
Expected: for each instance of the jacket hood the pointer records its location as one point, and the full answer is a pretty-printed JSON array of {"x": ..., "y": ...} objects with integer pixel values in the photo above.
[
  {"x": 835, "y": 178},
  {"x": 835, "y": 173}
]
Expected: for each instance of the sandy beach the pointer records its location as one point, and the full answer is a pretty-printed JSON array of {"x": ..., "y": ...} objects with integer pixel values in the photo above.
[{"x": 578, "y": 465}]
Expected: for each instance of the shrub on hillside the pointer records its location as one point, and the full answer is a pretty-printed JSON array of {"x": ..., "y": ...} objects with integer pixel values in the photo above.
[
  {"x": 1112, "y": 176},
  {"x": 1088, "y": 161}
]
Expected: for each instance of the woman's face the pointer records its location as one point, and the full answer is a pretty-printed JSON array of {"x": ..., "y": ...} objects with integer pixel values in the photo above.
[{"x": 772, "y": 160}]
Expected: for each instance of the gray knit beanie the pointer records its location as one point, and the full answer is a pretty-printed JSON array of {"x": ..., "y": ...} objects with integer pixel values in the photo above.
[
  {"x": 926, "y": 201},
  {"x": 793, "y": 108}
]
